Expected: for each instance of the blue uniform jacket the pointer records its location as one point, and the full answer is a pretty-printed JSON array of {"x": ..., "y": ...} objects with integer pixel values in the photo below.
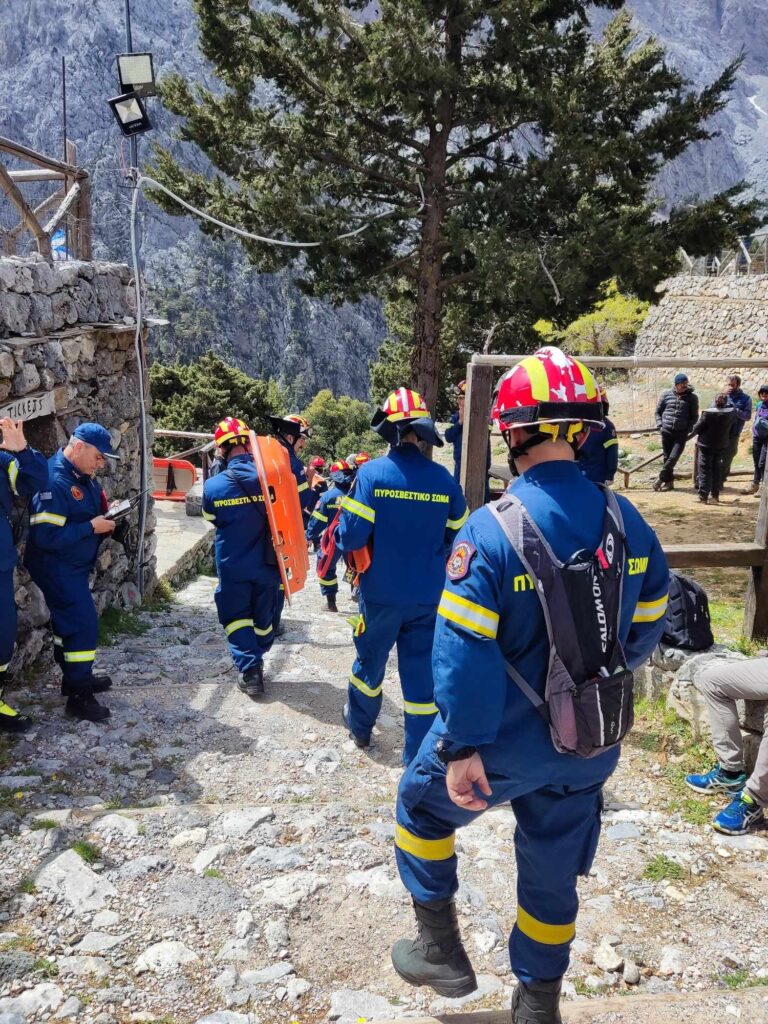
[
  {"x": 742, "y": 404},
  {"x": 21, "y": 474},
  {"x": 492, "y": 612},
  {"x": 61, "y": 538},
  {"x": 455, "y": 435},
  {"x": 327, "y": 507},
  {"x": 599, "y": 455},
  {"x": 412, "y": 508},
  {"x": 233, "y": 502}
]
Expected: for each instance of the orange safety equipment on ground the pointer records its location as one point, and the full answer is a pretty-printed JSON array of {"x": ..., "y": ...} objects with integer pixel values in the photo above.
[
  {"x": 230, "y": 430},
  {"x": 172, "y": 478},
  {"x": 286, "y": 522}
]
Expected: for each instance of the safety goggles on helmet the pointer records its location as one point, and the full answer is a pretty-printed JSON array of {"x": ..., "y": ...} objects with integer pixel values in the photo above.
[
  {"x": 290, "y": 428},
  {"x": 551, "y": 391},
  {"x": 305, "y": 430},
  {"x": 405, "y": 410},
  {"x": 230, "y": 430}
]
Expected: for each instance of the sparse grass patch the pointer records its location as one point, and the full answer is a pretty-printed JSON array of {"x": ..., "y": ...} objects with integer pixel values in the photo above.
[
  {"x": 727, "y": 625},
  {"x": 740, "y": 979},
  {"x": 42, "y": 824},
  {"x": 212, "y": 873},
  {"x": 27, "y": 885},
  {"x": 114, "y": 803},
  {"x": 45, "y": 968},
  {"x": 23, "y": 942},
  {"x": 162, "y": 596},
  {"x": 661, "y": 868},
  {"x": 115, "y": 622},
  {"x": 582, "y": 989},
  {"x": 8, "y": 801},
  {"x": 86, "y": 850},
  {"x": 695, "y": 812}
]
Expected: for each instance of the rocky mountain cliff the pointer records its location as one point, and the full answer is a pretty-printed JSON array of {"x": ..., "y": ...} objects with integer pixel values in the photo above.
[{"x": 262, "y": 323}]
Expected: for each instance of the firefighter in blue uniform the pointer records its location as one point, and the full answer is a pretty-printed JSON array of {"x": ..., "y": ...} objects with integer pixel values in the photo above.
[
  {"x": 455, "y": 435},
  {"x": 599, "y": 452},
  {"x": 23, "y": 471},
  {"x": 293, "y": 432},
  {"x": 488, "y": 744},
  {"x": 410, "y": 509},
  {"x": 66, "y": 529},
  {"x": 330, "y": 502},
  {"x": 245, "y": 557}
]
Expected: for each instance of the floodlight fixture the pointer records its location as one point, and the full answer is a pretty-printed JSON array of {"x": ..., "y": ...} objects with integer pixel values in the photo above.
[
  {"x": 130, "y": 114},
  {"x": 136, "y": 73}
]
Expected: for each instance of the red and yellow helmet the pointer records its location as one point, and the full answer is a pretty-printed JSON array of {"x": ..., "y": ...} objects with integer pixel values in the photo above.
[
  {"x": 341, "y": 472},
  {"x": 461, "y": 389},
  {"x": 305, "y": 428},
  {"x": 361, "y": 458},
  {"x": 230, "y": 430},
  {"x": 404, "y": 404},
  {"x": 549, "y": 390}
]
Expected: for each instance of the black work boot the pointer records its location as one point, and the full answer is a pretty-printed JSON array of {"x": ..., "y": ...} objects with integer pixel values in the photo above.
[
  {"x": 10, "y": 719},
  {"x": 436, "y": 957},
  {"x": 279, "y": 630},
  {"x": 361, "y": 742},
  {"x": 86, "y": 708},
  {"x": 537, "y": 1003},
  {"x": 331, "y": 599},
  {"x": 252, "y": 682},
  {"x": 96, "y": 684}
]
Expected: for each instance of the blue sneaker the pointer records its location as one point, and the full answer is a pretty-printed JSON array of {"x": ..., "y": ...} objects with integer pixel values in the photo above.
[
  {"x": 740, "y": 816},
  {"x": 716, "y": 781}
]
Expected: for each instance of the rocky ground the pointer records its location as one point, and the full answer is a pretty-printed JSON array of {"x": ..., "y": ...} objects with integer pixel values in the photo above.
[{"x": 206, "y": 855}]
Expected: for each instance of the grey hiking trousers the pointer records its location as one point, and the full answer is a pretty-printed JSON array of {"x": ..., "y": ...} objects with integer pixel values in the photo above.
[{"x": 722, "y": 683}]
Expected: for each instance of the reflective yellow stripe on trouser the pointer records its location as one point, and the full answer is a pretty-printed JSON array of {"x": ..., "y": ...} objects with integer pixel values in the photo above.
[
  {"x": 363, "y": 687},
  {"x": 412, "y": 708},
  {"x": 425, "y": 849},
  {"x": 231, "y": 627},
  {"x": 547, "y": 934},
  {"x": 73, "y": 657}
]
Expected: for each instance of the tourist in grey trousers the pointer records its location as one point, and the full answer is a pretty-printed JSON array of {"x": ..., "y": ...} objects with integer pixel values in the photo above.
[{"x": 722, "y": 683}]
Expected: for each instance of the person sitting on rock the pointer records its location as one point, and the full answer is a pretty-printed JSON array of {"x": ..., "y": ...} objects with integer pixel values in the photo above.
[{"x": 722, "y": 683}]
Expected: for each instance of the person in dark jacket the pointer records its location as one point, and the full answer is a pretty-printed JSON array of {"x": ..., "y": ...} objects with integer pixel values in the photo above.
[
  {"x": 741, "y": 404},
  {"x": 759, "y": 440},
  {"x": 713, "y": 433},
  {"x": 676, "y": 413}
]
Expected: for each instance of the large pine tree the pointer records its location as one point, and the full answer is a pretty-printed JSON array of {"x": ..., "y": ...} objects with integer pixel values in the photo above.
[{"x": 511, "y": 151}]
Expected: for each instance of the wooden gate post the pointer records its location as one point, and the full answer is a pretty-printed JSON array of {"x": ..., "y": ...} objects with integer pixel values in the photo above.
[
  {"x": 477, "y": 409},
  {"x": 756, "y": 606}
]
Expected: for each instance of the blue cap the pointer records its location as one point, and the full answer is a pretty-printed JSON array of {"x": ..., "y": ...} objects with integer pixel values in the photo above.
[
  {"x": 681, "y": 378},
  {"x": 98, "y": 436}
]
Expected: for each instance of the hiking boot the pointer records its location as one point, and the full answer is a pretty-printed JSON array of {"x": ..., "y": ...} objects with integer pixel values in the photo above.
[
  {"x": 740, "y": 816},
  {"x": 716, "y": 781},
  {"x": 752, "y": 489},
  {"x": 713, "y": 500},
  {"x": 279, "y": 630},
  {"x": 657, "y": 485},
  {"x": 10, "y": 719},
  {"x": 252, "y": 682},
  {"x": 667, "y": 485},
  {"x": 537, "y": 1003},
  {"x": 331, "y": 600},
  {"x": 96, "y": 684},
  {"x": 703, "y": 499},
  {"x": 86, "y": 708},
  {"x": 361, "y": 742},
  {"x": 436, "y": 957}
]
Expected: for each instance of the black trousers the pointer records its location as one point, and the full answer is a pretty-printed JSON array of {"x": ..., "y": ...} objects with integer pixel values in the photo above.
[
  {"x": 759, "y": 451},
  {"x": 710, "y": 471},
  {"x": 729, "y": 455},
  {"x": 673, "y": 445}
]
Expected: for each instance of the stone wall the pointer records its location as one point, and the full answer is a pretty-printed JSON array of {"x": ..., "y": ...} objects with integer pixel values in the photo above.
[
  {"x": 709, "y": 317},
  {"x": 55, "y": 377}
]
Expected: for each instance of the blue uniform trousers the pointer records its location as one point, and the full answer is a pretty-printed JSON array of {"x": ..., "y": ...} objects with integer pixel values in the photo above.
[
  {"x": 7, "y": 621},
  {"x": 246, "y": 611},
  {"x": 329, "y": 585},
  {"x": 557, "y": 832},
  {"x": 75, "y": 625},
  {"x": 411, "y": 628},
  {"x": 279, "y": 605}
]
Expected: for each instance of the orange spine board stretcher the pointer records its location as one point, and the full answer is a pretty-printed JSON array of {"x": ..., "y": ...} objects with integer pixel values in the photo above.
[
  {"x": 172, "y": 478},
  {"x": 286, "y": 522},
  {"x": 358, "y": 561}
]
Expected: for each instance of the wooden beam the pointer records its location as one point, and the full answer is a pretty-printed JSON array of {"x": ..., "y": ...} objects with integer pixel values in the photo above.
[
  {"x": 39, "y": 175},
  {"x": 632, "y": 362},
  {"x": 69, "y": 199},
  {"x": 756, "y": 604},
  {"x": 55, "y": 197},
  {"x": 474, "y": 451},
  {"x": 11, "y": 190},
  {"x": 711, "y": 556},
  {"x": 39, "y": 159}
]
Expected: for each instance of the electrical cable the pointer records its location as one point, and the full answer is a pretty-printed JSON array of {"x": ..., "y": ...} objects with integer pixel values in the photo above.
[{"x": 139, "y": 180}]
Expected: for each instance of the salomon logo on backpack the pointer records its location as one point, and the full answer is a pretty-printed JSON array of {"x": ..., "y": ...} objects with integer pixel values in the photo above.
[{"x": 687, "y": 624}]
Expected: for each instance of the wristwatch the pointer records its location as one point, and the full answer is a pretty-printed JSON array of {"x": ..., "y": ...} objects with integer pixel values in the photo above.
[{"x": 447, "y": 756}]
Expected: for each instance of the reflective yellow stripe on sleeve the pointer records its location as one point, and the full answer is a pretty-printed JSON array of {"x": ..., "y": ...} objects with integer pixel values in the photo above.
[
  {"x": 13, "y": 472},
  {"x": 364, "y": 511},
  {"x": 303, "y": 487},
  {"x": 425, "y": 849},
  {"x": 468, "y": 614},
  {"x": 608, "y": 444},
  {"x": 209, "y": 516},
  {"x": 456, "y": 524},
  {"x": 232, "y": 627},
  {"x": 411, "y": 708},
  {"x": 650, "y": 611},
  {"x": 364, "y": 687},
  {"x": 547, "y": 934},
  {"x": 47, "y": 517},
  {"x": 320, "y": 516}
]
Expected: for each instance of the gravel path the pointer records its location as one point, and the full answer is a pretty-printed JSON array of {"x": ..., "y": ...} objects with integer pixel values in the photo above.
[{"x": 204, "y": 857}]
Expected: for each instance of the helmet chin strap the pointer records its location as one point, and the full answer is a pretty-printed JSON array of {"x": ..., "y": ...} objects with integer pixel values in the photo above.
[{"x": 515, "y": 451}]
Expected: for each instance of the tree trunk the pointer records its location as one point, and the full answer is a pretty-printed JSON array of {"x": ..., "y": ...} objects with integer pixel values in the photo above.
[{"x": 429, "y": 304}]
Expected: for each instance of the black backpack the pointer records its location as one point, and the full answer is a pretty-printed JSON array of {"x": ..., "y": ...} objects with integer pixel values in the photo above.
[{"x": 687, "y": 622}]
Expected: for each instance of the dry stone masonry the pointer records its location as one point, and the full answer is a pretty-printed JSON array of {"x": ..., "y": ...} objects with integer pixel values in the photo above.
[{"x": 67, "y": 356}]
